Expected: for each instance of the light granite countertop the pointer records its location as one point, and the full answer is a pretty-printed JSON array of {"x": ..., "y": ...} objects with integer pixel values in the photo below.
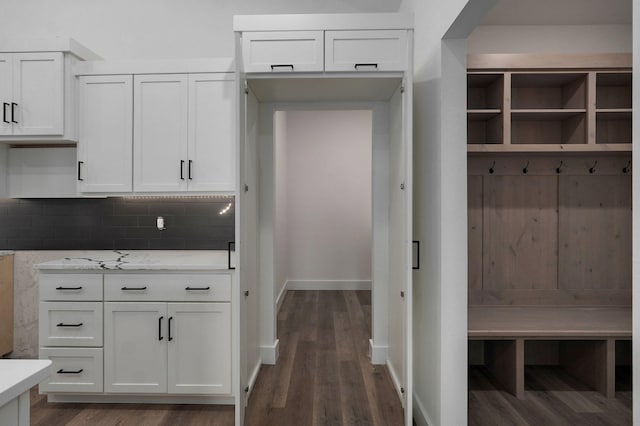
[
  {"x": 6, "y": 252},
  {"x": 131, "y": 260}
]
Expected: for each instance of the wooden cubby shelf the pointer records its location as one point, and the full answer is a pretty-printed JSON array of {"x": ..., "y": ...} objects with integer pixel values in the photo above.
[{"x": 555, "y": 110}]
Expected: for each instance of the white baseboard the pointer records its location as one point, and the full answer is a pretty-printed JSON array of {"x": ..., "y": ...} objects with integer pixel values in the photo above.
[
  {"x": 328, "y": 285},
  {"x": 396, "y": 382},
  {"x": 281, "y": 295},
  {"x": 378, "y": 354},
  {"x": 269, "y": 354},
  {"x": 252, "y": 380},
  {"x": 420, "y": 415}
]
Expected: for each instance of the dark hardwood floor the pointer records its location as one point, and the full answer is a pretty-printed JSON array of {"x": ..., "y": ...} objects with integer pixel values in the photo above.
[
  {"x": 323, "y": 377},
  {"x": 552, "y": 397}
]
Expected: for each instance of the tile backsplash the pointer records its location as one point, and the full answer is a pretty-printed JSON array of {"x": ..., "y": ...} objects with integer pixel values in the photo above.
[{"x": 192, "y": 223}]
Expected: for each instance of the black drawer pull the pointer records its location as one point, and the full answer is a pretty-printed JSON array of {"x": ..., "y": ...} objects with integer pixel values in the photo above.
[
  {"x": 4, "y": 112},
  {"x": 61, "y": 371},
  {"x": 69, "y": 325},
  {"x": 275, "y": 66},
  {"x": 134, "y": 288},
  {"x": 69, "y": 288},
  {"x": 13, "y": 112},
  {"x": 160, "y": 328},
  {"x": 374, "y": 66},
  {"x": 197, "y": 288},
  {"x": 169, "y": 327}
]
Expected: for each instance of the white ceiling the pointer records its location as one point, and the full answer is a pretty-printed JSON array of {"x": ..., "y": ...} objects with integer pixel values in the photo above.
[{"x": 560, "y": 12}]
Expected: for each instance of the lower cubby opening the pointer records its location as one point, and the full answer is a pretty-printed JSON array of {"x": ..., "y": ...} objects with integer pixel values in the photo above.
[{"x": 623, "y": 380}]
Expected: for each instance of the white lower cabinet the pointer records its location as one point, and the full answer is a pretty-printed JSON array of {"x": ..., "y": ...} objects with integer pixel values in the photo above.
[
  {"x": 181, "y": 348},
  {"x": 74, "y": 370}
]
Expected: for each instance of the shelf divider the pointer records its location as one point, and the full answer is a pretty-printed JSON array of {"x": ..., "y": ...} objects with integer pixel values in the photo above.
[
  {"x": 591, "y": 108},
  {"x": 506, "y": 110}
]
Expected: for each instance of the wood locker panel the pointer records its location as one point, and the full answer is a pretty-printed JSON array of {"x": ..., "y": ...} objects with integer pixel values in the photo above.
[
  {"x": 520, "y": 232},
  {"x": 595, "y": 232},
  {"x": 474, "y": 194}
]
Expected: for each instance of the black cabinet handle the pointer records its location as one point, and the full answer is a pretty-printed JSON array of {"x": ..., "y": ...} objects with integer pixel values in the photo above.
[
  {"x": 134, "y": 288},
  {"x": 229, "y": 244},
  {"x": 13, "y": 112},
  {"x": 160, "y": 328},
  {"x": 275, "y": 66},
  {"x": 189, "y": 170},
  {"x": 4, "y": 112},
  {"x": 61, "y": 371},
  {"x": 69, "y": 325},
  {"x": 358, "y": 66},
  {"x": 197, "y": 288},
  {"x": 417, "y": 244},
  {"x": 181, "y": 169},
  {"x": 80, "y": 163},
  {"x": 169, "y": 328},
  {"x": 69, "y": 288}
]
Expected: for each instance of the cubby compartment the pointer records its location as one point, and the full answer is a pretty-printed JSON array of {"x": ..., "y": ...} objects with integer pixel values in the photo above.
[
  {"x": 613, "y": 127},
  {"x": 613, "y": 90},
  {"x": 565, "y": 127},
  {"x": 548, "y": 91},
  {"x": 484, "y": 91},
  {"x": 484, "y": 128},
  {"x": 624, "y": 364}
]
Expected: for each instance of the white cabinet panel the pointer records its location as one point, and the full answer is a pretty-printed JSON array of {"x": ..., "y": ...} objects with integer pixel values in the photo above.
[
  {"x": 105, "y": 145},
  {"x": 199, "y": 359},
  {"x": 71, "y": 287},
  {"x": 42, "y": 172},
  {"x": 160, "y": 133},
  {"x": 135, "y": 349},
  {"x": 38, "y": 91},
  {"x": 283, "y": 51},
  {"x": 376, "y": 50},
  {"x": 212, "y": 152},
  {"x": 168, "y": 287},
  {"x": 70, "y": 324},
  {"x": 6, "y": 93},
  {"x": 74, "y": 370}
]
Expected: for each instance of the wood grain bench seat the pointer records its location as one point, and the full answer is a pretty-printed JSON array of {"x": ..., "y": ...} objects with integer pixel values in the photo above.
[{"x": 586, "y": 335}]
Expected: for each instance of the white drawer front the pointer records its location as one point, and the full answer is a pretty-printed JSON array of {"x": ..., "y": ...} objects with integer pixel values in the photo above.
[
  {"x": 70, "y": 324},
  {"x": 283, "y": 51},
  {"x": 168, "y": 287},
  {"x": 70, "y": 286},
  {"x": 379, "y": 50},
  {"x": 74, "y": 370}
]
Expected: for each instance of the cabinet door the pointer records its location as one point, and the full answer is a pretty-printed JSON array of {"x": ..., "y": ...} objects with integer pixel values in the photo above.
[
  {"x": 6, "y": 96},
  {"x": 212, "y": 159},
  {"x": 38, "y": 94},
  {"x": 199, "y": 348},
  {"x": 160, "y": 133},
  {"x": 379, "y": 50},
  {"x": 135, "y": 347},
  {"x": 283, "y": 51},
  {"x": 105, "y": 158}
]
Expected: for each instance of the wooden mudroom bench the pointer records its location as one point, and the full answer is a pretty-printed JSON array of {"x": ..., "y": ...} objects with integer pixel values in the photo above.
[{"x": 586, "y": 340}]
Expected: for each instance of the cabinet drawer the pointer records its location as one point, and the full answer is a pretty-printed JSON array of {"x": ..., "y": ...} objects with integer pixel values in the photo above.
[
  {"x": 168, "y": 287},
  {"x": 74, "y": 370},
  {"x": 379, "y": 50},
  {"x": 283, "y": 51},
  {"x": 70, "y": 286},
  {"x": 70, "y": 324}
]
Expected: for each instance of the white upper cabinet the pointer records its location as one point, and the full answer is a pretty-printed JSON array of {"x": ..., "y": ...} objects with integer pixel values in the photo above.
[
  {"x": 211, "y": 164},
  {"x": 283, "y": 51},
  {"x": 377, "y": 50},
  {"x": 184, "y": 133},
  {"x": 160, "y": 133},
  {"x": 105, "y": 158},
  {"x": 36, "y": 91}
]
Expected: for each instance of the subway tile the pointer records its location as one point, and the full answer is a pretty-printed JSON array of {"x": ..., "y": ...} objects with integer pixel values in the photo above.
[
  {"x": 131, "y": 244},
  {"x": 135, "y": 208},
  {"x": 167, "y": 244},
  {"x": 120, "y": 221},
  {"x": 24, "y": 244},
  {"x": 16, "y": 222}
]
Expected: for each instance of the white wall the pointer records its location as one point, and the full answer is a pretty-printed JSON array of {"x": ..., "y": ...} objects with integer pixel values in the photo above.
[
  {"x": 550, "y": 39},
  {"x": 325, "y": 173},
  {"x": 143, "y": 29}
]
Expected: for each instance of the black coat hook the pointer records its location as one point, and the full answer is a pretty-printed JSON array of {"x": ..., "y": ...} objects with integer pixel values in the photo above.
[
  {"x": 559, "y": 168},
  {"x": 592, "y": 169},
  {"x": 627, "y": 169},
  {"x": 525, "y": 170},
  {"x": 491, "y": 169}
]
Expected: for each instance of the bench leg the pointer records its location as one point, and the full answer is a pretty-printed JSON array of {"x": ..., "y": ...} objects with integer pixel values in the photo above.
[
  {"x": 505, "y": 361},
  {"x": 592, "y": 362}
]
